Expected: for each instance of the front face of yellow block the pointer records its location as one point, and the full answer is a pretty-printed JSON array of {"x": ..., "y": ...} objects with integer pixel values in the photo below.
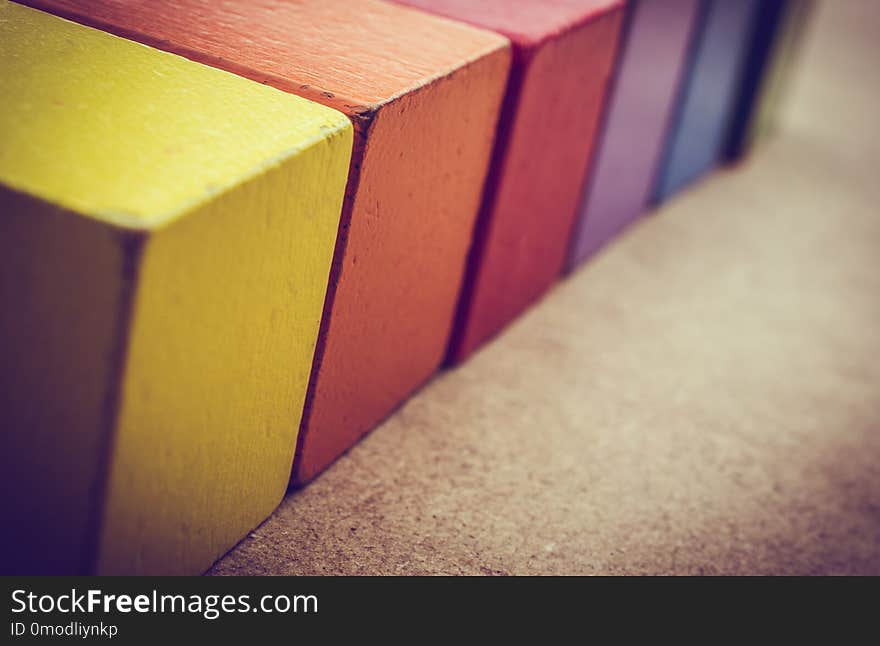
[
  {"x": 166, "y": 233},
  {"x": 225, "y": 320}
]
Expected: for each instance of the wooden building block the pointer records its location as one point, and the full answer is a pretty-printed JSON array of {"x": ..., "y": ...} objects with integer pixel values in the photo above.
[
  {"x": 424, "y": 95},
  {"x": 656, "y": 44},
  {"x": 701, "y": 129},
  {"x": 776, "y": 38},
  {"x": 166, "y": 235},
  {"x": 563, "y": 60}
]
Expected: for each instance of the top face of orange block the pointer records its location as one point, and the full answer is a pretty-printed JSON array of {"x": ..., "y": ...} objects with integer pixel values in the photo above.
[
  {"x": 527, "y": 23},
  {"x": 349, "y": 55}
]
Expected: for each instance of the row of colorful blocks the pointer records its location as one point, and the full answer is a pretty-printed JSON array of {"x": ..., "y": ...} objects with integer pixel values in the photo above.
[{"x": 204, "y": 276}]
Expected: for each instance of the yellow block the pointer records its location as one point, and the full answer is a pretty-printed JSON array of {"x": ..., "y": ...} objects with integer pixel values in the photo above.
[{"x": 166, "y": 234}]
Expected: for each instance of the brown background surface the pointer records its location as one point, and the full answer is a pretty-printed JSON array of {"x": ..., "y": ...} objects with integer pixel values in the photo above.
[{"x": 703, "y": 397}]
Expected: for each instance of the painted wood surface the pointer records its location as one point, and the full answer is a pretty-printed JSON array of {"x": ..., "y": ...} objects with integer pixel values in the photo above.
[
  {"x": 649, "y": 73},
  {"x": 700, "y": 133},
  {"x": 166, "y": 235},
  {"x": 564, "y": 53},
  {"x": 767, "y": 22},
  {"x": 776, "y": 42},
  {"x": 424, "y": 95}
]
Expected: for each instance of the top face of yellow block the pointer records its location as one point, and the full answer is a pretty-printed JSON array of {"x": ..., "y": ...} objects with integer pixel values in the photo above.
[{"x": 130, "y": 135}]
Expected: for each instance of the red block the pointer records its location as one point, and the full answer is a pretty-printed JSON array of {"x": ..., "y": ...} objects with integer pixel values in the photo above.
[{"x": 563, "y": 58}]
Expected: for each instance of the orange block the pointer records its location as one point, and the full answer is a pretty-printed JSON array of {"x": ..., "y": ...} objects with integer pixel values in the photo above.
[{"x": 424, "y": 94}]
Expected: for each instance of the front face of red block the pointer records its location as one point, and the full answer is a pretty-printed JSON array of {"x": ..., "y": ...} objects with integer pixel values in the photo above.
[{"x": 552, "y": 111}]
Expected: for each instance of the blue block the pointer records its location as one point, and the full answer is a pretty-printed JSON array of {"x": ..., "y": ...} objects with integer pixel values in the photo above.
[{"x": 699, "y": 134}]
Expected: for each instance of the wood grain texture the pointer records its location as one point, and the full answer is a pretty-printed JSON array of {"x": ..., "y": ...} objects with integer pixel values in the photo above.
[
  {"x": 166, "y": 234},
  {"x": 424, "y": 94},
  {"x": 647, "y": 80},
  {"x": 564, "y": 53},
  {"x": 701, "y": 129}
]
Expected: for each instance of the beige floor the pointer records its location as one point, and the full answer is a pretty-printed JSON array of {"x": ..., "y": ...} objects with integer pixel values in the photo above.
[{"x": 704, "y": 397}]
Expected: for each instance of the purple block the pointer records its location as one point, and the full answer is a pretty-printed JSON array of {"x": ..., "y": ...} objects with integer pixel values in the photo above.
[{"x": 636, "y": 119}]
